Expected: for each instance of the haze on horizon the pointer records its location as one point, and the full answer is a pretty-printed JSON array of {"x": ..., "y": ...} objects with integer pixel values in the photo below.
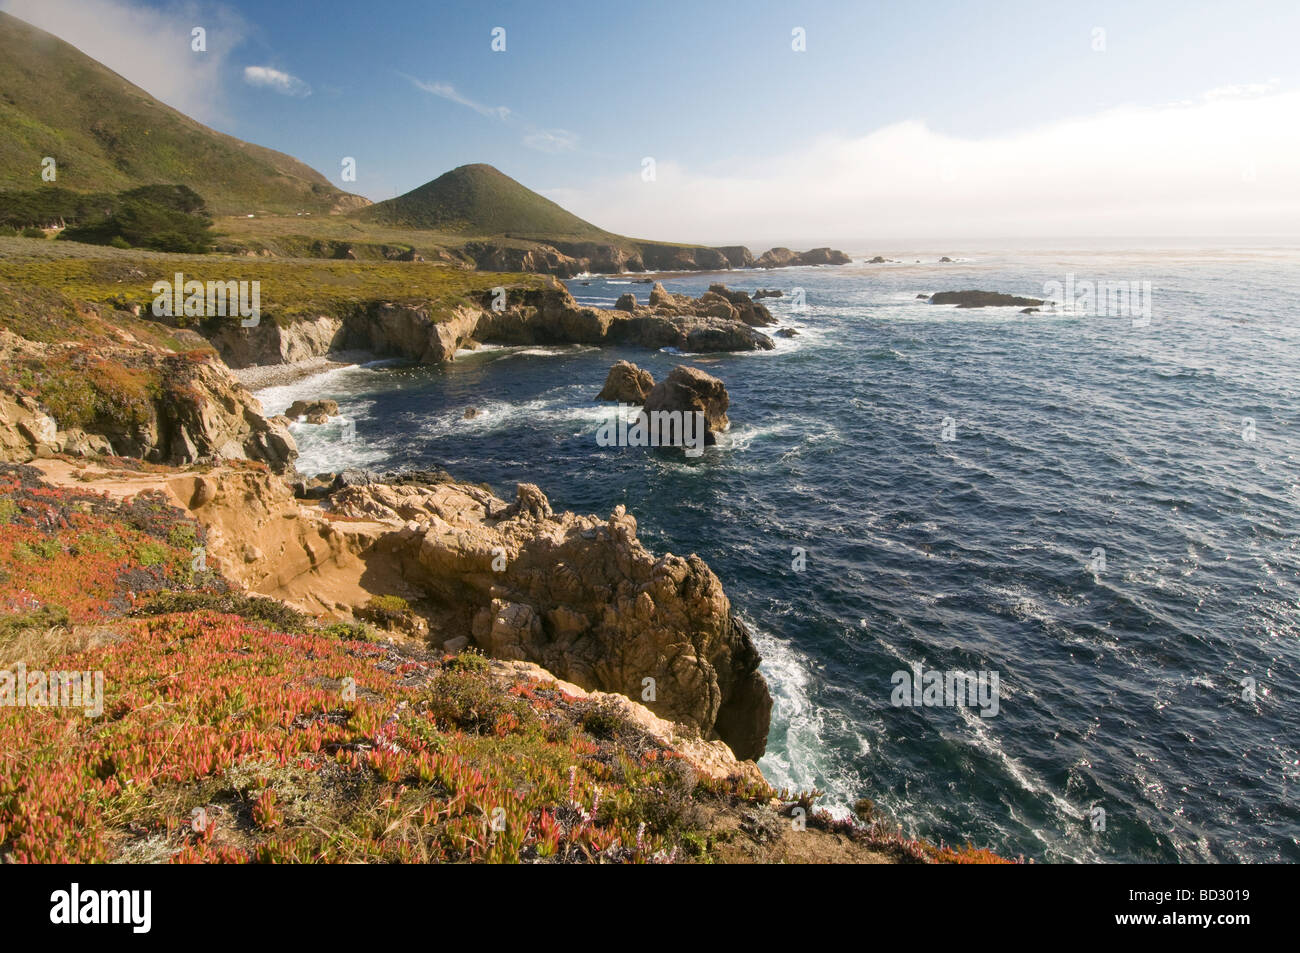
[{"x": 934, "y": 121}]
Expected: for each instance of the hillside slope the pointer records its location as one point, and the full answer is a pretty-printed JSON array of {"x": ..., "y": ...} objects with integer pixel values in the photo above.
[
  {"x": 107, "y": 134},
  {"x": 480, "y": 200}
]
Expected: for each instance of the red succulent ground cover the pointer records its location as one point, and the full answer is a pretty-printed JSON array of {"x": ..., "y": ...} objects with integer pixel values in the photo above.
[
  {"x": 223, "y": 738},
  {"x": 80, "y": 555},
  {"x": 303, "y": 747}
]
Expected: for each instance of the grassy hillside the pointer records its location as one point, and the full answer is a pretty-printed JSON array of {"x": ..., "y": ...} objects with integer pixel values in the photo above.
[
  {"x": 107, "y": 135},
  {"x": 481, "y": 201},
  {"x": 290, "y": 288}
]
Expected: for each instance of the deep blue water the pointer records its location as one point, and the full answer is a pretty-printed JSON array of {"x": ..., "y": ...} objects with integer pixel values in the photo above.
[{"x": 1120, "y": 688}]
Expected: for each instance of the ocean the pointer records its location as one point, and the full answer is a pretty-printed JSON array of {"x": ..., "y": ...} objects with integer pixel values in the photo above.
[{"x": 1099, "y": 509}]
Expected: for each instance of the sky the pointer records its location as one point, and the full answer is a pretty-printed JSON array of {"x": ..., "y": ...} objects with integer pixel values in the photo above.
[{"x": 766, "y": 122}]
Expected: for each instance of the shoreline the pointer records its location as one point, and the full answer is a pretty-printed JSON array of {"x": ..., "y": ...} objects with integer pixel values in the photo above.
[{"x": 259, "y": 377}]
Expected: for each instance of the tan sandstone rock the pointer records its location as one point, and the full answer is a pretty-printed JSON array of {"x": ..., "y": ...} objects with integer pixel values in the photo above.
[{"x": 627, "y": 384}]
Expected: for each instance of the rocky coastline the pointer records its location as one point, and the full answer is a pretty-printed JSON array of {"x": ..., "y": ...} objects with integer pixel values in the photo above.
[
  {"x": 428, "y": 333},
  {"x": 570, "y": 259},
  {"x": 578, "y": 596}
]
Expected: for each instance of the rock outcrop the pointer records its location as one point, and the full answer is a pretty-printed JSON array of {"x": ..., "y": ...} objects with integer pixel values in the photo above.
[
  {"x": 627, "y": 384},
  {"x": 580, "y": 596},
  {"x": 316, "y": 411},
  {"x": 141, "y": 402},
  {"x": 711, "y": 759},
  {"x": 785, "y": 258},
  {"x": 272, "y": 343},
  {"x": 423, "y": 333},
  {"x": 691, "y": 390},
  {"x": 540, "y": 259},
  {"x": 567, "y": 259},
  {"x": 719, "y": 303},
  {"x": 431, "y": 333},
  {"x": 983, "y": 299},
  {"x": 551, "y": 316}
]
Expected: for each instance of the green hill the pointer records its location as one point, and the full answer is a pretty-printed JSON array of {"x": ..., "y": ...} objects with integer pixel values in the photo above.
[
  {"x": 479, "y": 200},
  {"x": 108, "y": 135}
]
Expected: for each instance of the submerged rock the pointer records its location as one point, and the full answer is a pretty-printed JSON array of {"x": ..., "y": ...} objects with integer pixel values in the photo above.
[{"x": 983, "y": 299}]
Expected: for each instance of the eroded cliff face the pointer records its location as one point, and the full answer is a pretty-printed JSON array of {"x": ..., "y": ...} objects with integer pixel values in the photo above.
[
  {"x": 568, "y": 259},
  {"x": 552, "y": 316},
  {"x": 431, "y": 333},
  {"x": 270, "y": 343},
  {"x": 583, "y": 598},
  {"x": 142, "y": 402},
  {"x": 577, "y": 595}
]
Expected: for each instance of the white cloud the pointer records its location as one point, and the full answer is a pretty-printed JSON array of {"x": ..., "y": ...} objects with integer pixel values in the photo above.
[
  {"x": 1243, "y": 90},
  {"x": 551, "y": 140},
  {"x": 148, "y": 46},
  {"x": 449, "y": 92},
  {"x": 1225, "y": 165},
  {"x": 278, "y": 80},
  {"x": 543, "y": 140}
]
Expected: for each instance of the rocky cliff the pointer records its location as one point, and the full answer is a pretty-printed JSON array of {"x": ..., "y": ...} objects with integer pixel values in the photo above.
[
  {"x": 156, "y": 405},
  {"x": 272, "y": 343},
  {"x": 567, "y": 259},
  {"x": 431, "y": 333},
  {"x": 580, "y": 596}
]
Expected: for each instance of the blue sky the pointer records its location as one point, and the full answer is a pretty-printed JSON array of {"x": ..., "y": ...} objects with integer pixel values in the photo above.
[{"x": 715, "y": 93}]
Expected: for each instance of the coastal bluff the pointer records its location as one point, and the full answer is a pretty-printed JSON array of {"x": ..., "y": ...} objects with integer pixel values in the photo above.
[
  {"x": 577, "y": 595},
  {"x": 431, "y": 332}
]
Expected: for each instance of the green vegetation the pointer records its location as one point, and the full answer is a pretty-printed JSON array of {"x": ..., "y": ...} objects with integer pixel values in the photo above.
[
  {"x": 40, "y": 620},
  {"x": 85, "y": 389},
  {"x": 388, "y": 611},
  {"x": 479, "y": 200},
  {"x": 106, "y": 134},
  {"x": 290, "y": 289},
  {"x": 50, "y": 207},
  {"x": 159, "y": 217},
  {"x": 453, "y": 218}
]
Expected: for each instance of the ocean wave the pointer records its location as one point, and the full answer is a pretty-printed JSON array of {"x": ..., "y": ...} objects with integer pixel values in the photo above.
[{"x": 796, "y": 758}]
